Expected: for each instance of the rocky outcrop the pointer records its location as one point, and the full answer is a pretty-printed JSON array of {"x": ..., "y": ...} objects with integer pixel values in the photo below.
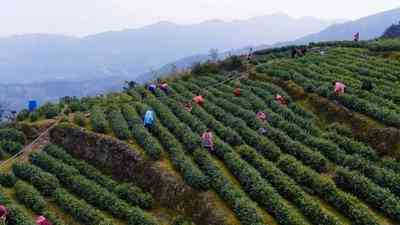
[{"x": 125, "y": 163}]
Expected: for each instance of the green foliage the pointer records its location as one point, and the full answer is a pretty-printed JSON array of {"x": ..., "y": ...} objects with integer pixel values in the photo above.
[
  {"x": 98, "y": 120},
  {"x": 84, "y": 168},
  {"x": 23, "y": 115},
  {"x": 79, "y": 209},
  {"x": 10, "y": 147},
  {"x": 127, "y": 192},
  {"x": 16, "y": 215},
  {"x": 43, "y": 181},
  {"x": 80, "y": 119},
  {"x": 11, "y": 134},
  {"x": 49, "y": 110},
  {"x": 340, "y": 129},
  {"x": 205, "y": 68},
  {"x": 53, "y": 166},
  {"x": 288, "y": 188},
  {"x": 192, "y": 175},
  {"x": 118, "y": 124},
  {"x": 244, "y": 208},
  {"x": 135, "y": 196},
  {"x": 366, "y": 190},
  {"x": 232, "y": 63},
  {"x": 142, "y": 136},
  {"x": 30, "y": 197},
  {"x": 324, "y": 187},
  {"x": 90, "y": 191},
  {"x": 34, "y": 116},
  {"x": 7, "y": 179}
]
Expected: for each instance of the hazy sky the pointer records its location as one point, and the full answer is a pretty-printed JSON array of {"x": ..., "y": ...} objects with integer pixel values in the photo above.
[{"x": 82, "y": 17}]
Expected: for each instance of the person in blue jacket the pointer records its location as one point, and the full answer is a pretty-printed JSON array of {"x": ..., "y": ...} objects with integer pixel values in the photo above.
[
  {"x": 149, "y": 119},
  {"x": 152, "y": 88}
]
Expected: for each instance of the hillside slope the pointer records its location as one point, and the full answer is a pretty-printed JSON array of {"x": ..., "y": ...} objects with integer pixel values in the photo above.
[{"x": 319, "y": 158}]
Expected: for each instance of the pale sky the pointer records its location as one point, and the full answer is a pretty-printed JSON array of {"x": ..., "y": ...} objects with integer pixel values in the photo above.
[{"x": 82, "y": 17}]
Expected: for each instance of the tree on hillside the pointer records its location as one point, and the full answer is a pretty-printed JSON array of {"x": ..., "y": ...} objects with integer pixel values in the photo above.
[
  {"x": 214, "y": 54},
  {"x": 392, "y": 32},
  {"x": 173, "y": 69},
  {"x": 129, "y": 85},
  {"x": 4, "y": 109}
]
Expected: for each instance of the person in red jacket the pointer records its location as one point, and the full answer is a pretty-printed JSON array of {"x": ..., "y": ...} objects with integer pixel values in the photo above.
[
  {"x": 237, "y": 92},
  {"x": 281, "y": 100},
  {"x": 3, "y": 214},
  {"x": 41, "y": 220},
  {"x": 199, "y": 99}
]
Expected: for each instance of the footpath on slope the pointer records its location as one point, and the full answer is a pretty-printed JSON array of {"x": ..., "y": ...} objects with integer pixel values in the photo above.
[{"x": 35, "y": 146}]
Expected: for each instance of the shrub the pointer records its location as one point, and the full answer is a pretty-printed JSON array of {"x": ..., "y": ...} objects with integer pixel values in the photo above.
[
  {"x": 10, "y": 147},
  {"x": 49, "y": 110},
  {"x": 84, "y": 168},
  {"x": 327, "y": 190},
  {"x": 11, "y": 134},
  {"x": 143, "y": 137},
  {"x": 7, "y": 179},
  {"x": 23, "y": 115},
  {"x": 53, "y": 166},
  {"x": 101, "y": 198},
  {"x": 34, "y": 116},
  {"x": 127, "y": 192},
  {"x": 243, "y": 207},
  {"x": 89, "y": 190},
  {"x": 98, "y": 120},
  {"x": 16, "y": 215},
  {"x": 30, "y": 197},
  {"x": 118, "y": 124},
  {"x": 288, "y": 188},
  {"x": 80, "y": 119},
  {"x": 369, "y": 192},
  {"x": 64, "y": 119},
  {"x": 44, "y": 182},
  {"x": 340, "y": 129},
  {"x": 79, "y": 209},
  {"x": 134, "y": 196}
]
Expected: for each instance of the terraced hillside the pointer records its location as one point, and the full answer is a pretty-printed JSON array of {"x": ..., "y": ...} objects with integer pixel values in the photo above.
[{"x": 323, "y": 160}]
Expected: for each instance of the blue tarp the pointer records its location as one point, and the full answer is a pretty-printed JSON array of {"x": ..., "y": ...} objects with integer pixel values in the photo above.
[{"x": 32, "y": 105}]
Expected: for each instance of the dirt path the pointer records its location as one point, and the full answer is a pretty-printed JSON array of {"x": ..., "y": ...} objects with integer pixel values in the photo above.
[{"x": 37, "y": 145}]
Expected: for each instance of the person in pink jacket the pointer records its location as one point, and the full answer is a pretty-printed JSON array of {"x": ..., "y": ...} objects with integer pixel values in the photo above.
[
  {"x": 339, "y": 87},
  {"x": 207, "y": 140},
  {"x": 41, "y": 220},
  {"x": 199, "y": 100},
  {"x": 3, "y": 214},
  {"x": 261, "y": 116}
]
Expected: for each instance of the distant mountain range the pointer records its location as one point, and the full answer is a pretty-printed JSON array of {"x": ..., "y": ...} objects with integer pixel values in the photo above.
[
  {"x": 129, "y": 53},
  {"x": 370, "y": 27},
  {"x": 99, "y": 63}
]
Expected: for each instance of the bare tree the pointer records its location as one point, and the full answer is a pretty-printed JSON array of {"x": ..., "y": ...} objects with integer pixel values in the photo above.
[
  {"x": 154, "y": 74},
  {"x": 173, "y": 69},
  {"x": 129, "y": 85},
  {"x": 214, "y": 54},
  {"x": 4, "y": 108}
]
